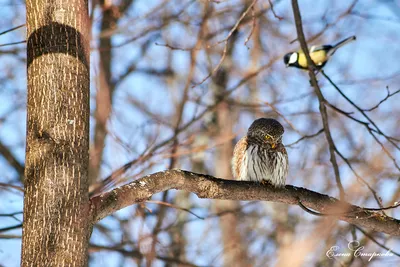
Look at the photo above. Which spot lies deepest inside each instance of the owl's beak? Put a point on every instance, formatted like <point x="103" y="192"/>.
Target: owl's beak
<point x="273" y="145"/>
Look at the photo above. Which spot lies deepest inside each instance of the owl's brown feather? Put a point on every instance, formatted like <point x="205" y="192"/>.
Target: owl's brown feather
<point x="239" y="153"/>
<point x="260" y="155"/>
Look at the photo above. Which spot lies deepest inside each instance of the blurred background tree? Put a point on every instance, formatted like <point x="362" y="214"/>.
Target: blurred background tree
<point x="176" y="83"/>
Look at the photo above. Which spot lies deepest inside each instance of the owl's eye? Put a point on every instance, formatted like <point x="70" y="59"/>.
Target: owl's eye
<point x="268" y="137"/>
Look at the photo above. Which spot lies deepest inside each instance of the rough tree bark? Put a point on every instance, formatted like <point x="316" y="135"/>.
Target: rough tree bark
<point x="56" y="227"/>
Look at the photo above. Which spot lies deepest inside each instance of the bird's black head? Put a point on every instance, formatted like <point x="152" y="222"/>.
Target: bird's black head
<point x="291" y="59"/>
<point x="286" y="58"/>
<point x="266" y="132"/>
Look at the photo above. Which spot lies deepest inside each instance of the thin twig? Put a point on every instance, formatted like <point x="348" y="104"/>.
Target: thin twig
<point x="225" y="41"/>
<point x="376" y="241"/>
<point x="321" y="99"/>
<point x="10" y="228"/>
<point x="383" y="100"/>
<point x="14" y="43"/>
<point x="175" y="207"/>
<point x="349" y="213"/>
<point x="273" y="11"/>
<point x="253" y="26"/>
<point x="378" y="130"/>
<point x="12" y="29"/>
<point x="16" y="187"/>
<point x="306" y="137"/>
<point x="360" y="179"/>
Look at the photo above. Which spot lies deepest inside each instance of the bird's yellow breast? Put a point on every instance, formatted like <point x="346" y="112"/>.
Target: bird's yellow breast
<point x="319" y="58"/>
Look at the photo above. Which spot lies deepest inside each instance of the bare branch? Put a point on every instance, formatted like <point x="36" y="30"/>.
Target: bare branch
<point x="175" y="207"/>
<point x="253" y="26"/>
<point x="370" y="130"/>
<point x="377" y="242"/>
<point x="225" y="41"/>
<point x="383" y="100"/>
<point x="5" y="229"/>
<point x="306" y="137"/>
<point x="16" y="187"/>
<point x="273" y="11"/>
<point x="205" y="186"/>
<point x="12" y="29"/>
<point x="321" y="99"/>
<point x="13" y="43"/>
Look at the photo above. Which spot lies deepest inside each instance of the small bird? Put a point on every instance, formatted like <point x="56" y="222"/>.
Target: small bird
<point x="260" y="155"/>
<point x="319" y="55"/>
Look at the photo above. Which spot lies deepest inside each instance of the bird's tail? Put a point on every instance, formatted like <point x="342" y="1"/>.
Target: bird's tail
<point x="341" y="43"/>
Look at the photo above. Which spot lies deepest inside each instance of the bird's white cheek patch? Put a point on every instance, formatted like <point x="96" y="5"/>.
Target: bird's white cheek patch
<point x="293" y="58"/>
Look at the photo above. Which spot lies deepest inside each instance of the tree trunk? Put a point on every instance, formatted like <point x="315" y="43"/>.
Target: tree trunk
<point x="56" y="225"/>
<point x="235" y="253"/>
<point x="105" y="91"/>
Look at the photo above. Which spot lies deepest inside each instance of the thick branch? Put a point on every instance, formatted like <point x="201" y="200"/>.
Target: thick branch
<point x="205" y="186"/>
